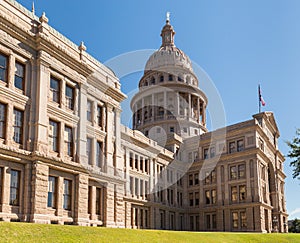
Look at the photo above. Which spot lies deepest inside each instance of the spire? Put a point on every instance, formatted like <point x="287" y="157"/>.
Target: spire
<point x="32" y="8"/>
<point x="167" y="33"/>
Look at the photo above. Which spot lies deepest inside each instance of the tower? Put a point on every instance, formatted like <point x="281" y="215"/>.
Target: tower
<point x="169" y="106"/>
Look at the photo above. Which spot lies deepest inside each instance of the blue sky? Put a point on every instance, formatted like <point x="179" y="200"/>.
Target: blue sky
<point x="238" y="43"/>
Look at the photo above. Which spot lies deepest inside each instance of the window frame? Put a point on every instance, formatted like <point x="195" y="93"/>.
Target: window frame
<point x="53" y="202"/>
<point x="55" y="91"/>
<point x="4" y="68"/>
<point x="70" y="104"/>
<point x="18" y="78"/>
<point x="54" y="138"/>
<point x="20" y="127"/>
<point x="67" y="195"/>
<point x="3" y="120"/>
<point x="69" y="143"/>
<point x="15" y="201"/>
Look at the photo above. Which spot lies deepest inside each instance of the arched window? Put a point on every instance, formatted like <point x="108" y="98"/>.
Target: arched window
<point x="153" y="80"/>
<point x="180" y="79"/>
<point x="161" y="78"/>
<point x="170" y="77"/>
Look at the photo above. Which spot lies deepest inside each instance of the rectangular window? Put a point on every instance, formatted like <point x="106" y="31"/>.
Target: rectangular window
<point x="212" y="152"/>
<point x="213" y="176"/>
<point x="69" y="97"/>
<point x="196" y="178"/>
<point x="241" y="171"/>
<point x="240" y="145"/>
<point x="235" y="220"/>
<point x="67" y="195"/>
<point x="51" y="192"/>
<point x="196" y="198"/>
<point x="3" y="68"/>
<point x="18" y="126"/>
<point x="89" y="150"/>
<point x="242" y="192"/>
<point x="99" y="154"/>
<point x="14" y="188"/>
<point x="53" y="135"/>
<point x="131" y="186"/>
<point x="172" y="129"/>
<point x="207" y="178"/>
<point x="213" y="196"/>
<point x="233" y="193"/>
<point x="191" y="199"/>
<point x="208" y="221"/>
<point x="190" y="180"/>
<point x="19" y="76"/>
<point x="243" y="219"/>
<point x="89" y="108"/>
<point x="99" y="115"/>
<point x="98" y="201"/>
<point x="69" y="141"/>
<point x="55" y="89"/>
<point x="214" y="221"/>
<point x="233" y="173"/>
<point x="2" y="120"/>
<point x="231" y="147"/>
<point x="205" y="154"/>
<point x="207" y="197"/>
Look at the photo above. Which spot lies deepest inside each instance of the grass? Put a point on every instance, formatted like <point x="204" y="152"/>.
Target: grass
<point x="25" y="232"/>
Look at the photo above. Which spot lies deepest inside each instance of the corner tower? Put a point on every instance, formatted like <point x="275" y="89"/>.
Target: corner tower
<point x="169" y="106"/>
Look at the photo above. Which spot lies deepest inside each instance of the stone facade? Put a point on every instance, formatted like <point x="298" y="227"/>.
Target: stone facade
<point x="65" y="158"/>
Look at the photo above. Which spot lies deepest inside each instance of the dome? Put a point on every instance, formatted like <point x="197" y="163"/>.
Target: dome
<point x="168" y="54"/>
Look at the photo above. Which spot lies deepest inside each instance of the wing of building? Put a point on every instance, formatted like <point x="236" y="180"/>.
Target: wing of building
<point x="65" y="158"/>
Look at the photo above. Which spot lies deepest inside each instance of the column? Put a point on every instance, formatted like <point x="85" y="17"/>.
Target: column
<point x="127" y="175"/>
<point x="189" y="105"/>
<point x="248" y="182"/>
<point x="10" y="120"/>
<point x="177" y="104"/>
<point x="92" y="203"/>
<point x="60" y="191"/>
<point x="6" y="190"/>
<point x="198" y="110"/>
<point x="226" y="194"/>
<point x="42" y="121"/>
<point x="109" y="167"/>
<point x="11" y="71"/>
<point x="81" y="200"/>
<point x="143" y="111"/>
<point x="40" y="173"/>
<point x="153" y="107"/>
<point x="117" y="150"/>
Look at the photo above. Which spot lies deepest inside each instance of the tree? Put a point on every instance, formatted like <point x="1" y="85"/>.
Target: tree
<point x="295" y="226"/>
<point x="294" y="153"/>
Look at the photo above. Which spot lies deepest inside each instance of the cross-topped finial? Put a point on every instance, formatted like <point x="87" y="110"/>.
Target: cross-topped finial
<point x="168" y="16"/>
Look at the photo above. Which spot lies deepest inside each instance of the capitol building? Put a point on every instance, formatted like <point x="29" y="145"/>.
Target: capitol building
<point x="65" y="157"/>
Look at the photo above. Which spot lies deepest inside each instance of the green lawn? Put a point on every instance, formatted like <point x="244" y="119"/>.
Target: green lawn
<point x="25" y="232"/>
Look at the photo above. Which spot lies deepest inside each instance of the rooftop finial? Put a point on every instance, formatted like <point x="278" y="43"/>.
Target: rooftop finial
<point x="32" y="8"/>
<point x="168" y="16"/>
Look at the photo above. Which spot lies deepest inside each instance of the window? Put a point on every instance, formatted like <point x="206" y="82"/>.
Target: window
<point x="161" y="78"/>
<point x="190" y="180"/>
<point x="53" y="135"/>
<point x="231" y="147"/>
<point x="172" y="129"/>
<point x="212" y="152"/>
<point x="241" y="171"/>
<point x="99" y="155"/>
<point x="240" y="145"/>
<point x="153" y="80"/>
<point x="69" y="141"/>
<point x="233" y="173"/>
<point x="99" y="116"/>
<point x="69" y="97"/>
<point x="51" y="192"/>
<point x="18" y="126"/>
<point x="196" y="178"/>
<point x="89" y="105"/>
<point x="235" y="220"/>
<point x="213" y="176"/>
<point x="89" y="150"/>
<point x="207" y="178"/>
<point x="207" y="197"/>
<point x="67" y="195"/>
<point x="205" y="154"/>
<point x="19" y="76"/>
<point x="196" y="198"/>
<point x="242" y="192"/>
<point x="2" y="120"/>
<point x="170" y="77"/>
<point x="250" y="140"/>
<point x="14" y="188"/>
<point x="3" y="68"/>
<point x="208" y="221"/>
<point x="191" y="199"/>
<point x="213" y="196"/>
<point x="98" y="201"/>
<point x="55" y="89"/>
<point x="234" y="194"/>
<point x="179" y="79"/>
<point x="243" y="219"/>
<point x="214" y="221"/>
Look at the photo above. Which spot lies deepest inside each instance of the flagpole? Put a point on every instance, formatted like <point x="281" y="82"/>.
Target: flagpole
<point x="259" y="103"/>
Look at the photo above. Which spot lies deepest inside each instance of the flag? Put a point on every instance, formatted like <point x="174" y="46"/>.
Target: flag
<point x="261" y="99"/>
